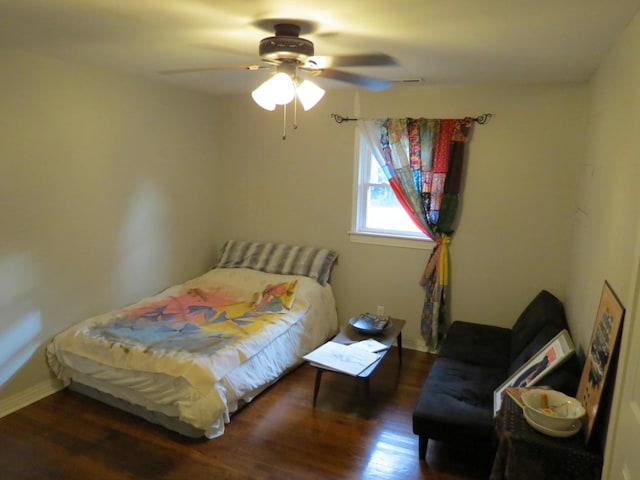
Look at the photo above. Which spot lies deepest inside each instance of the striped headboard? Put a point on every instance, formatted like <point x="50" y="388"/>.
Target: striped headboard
<point x="279" y="258"/>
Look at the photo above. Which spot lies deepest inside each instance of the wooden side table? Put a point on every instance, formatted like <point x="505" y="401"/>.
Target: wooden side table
<point x="348" y="335"/>
<point x="524" y="453"/>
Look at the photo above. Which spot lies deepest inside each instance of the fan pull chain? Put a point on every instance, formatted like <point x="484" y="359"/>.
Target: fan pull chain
<point x="284" y="122"/>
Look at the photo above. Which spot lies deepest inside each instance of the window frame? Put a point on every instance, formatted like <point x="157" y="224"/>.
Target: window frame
<point x="359" y="233"/>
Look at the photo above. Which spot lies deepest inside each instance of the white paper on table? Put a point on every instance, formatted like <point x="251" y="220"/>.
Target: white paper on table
<point x="370" y="345"/>
<point x="342" y="358"/>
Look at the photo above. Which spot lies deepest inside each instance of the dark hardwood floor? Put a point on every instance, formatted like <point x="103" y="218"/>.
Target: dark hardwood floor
<point x="278" y="436"/>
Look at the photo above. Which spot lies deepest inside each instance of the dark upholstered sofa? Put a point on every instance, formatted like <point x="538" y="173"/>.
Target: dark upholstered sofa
<point x="456" y="400"/>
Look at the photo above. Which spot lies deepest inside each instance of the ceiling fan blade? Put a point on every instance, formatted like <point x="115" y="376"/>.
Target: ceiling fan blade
<point x="360" y="80"/>
<point x="364" y="60"/>
<point x="217" y="67"/>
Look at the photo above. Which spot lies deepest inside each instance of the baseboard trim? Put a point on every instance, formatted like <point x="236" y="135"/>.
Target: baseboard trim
<point x="415" y="345"/>
<point x="29" y="396"/>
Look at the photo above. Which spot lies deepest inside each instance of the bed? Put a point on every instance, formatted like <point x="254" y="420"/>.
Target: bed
<point x="192" y="355"/>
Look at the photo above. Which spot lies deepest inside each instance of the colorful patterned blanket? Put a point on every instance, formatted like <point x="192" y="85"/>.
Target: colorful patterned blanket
<point x="197" y="333"/>
<point x="198" y="320"/>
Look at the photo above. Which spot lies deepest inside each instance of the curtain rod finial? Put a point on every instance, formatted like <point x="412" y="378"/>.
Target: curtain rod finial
<point x="341" y="119"/>
<point x="484" y="118"/>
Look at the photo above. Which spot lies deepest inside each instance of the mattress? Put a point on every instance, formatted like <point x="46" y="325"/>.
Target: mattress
<point x="192" y="385"/>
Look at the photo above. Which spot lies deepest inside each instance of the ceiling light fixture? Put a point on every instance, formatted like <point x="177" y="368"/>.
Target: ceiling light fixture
<point x="309" y="94"/>
<point x="282" y="88"/>
<point x="285" y="87"/>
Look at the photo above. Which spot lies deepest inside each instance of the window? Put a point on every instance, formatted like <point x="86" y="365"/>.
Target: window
<point x="377" y="211"/>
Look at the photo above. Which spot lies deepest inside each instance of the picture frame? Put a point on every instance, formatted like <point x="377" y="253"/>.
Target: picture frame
<point x="549" y="357"/>
<point x="604" y="341"/>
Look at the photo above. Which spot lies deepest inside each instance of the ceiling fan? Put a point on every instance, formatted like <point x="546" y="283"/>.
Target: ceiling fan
<point x="289" y="52"/>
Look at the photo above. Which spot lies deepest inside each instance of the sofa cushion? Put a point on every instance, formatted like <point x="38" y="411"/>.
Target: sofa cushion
<point x="456" y="401"/>
<point x="478" y="344"/>
<point x="544" y="308"/>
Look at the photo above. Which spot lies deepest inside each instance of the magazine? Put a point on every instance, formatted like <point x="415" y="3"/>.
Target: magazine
<point x="369" y="323"/>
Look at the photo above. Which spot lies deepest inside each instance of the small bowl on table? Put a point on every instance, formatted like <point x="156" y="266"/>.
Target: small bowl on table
<point x="552" y="410"/>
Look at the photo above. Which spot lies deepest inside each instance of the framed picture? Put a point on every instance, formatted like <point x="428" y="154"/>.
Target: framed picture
<point x="548" y="357"/>
<point x="604" y="339"/>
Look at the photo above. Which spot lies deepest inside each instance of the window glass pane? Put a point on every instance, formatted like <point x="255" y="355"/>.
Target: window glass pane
<point x="383" y="212"/>
<point x="377" y="175"/>
<point x="378" y="212"/>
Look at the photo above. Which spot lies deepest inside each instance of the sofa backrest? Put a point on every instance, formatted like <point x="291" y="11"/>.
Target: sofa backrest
<point x="544" y="336"/>
<point x="543" y="319"/>
<point x="540" y="322"/>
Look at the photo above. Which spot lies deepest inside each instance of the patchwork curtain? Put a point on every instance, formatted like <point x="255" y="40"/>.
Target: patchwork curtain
<point x="423" y="159"/>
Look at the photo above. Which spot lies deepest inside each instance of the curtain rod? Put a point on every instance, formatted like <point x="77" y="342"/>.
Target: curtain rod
<point x="480" y="119"/>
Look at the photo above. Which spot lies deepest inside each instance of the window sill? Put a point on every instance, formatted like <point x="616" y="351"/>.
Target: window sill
<point x="391" y="241"/>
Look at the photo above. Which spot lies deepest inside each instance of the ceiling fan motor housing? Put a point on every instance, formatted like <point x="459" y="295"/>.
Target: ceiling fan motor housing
<point x="286" y="45"/>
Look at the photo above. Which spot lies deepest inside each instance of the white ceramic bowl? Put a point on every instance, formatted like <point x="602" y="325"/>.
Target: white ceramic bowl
<point x="552" y="409"/>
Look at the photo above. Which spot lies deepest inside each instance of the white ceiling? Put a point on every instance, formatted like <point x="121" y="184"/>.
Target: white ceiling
<point x="438" y="41"/>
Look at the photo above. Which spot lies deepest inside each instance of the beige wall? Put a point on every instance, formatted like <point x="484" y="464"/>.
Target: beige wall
<point x="606" y="245"/>
<point x="107" y="193"/>
<point x="515" y="226"/>
<point x="607" y="218"/>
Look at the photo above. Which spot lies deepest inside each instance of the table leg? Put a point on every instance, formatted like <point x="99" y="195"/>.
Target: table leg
<point x="399" y="341"/>
<point x="367" y="396"/>
<point x="317" y="386"/>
